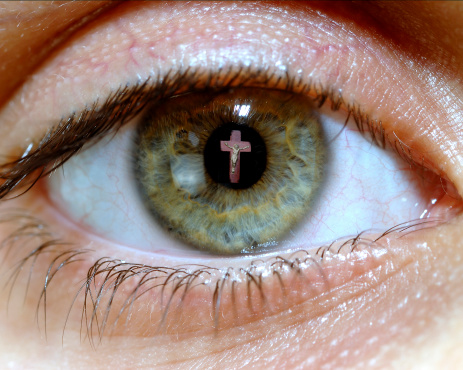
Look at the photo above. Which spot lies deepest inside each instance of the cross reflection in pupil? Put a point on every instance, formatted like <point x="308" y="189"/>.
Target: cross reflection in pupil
<point x="235" y="147"/>
<point x="238" y="171"/>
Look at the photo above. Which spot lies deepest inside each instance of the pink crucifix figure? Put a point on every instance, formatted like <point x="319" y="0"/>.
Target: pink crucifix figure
<point x="235" y="146"/>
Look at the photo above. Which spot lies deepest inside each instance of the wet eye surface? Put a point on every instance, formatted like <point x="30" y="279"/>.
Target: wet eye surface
<point x="233" y="171"/>
<point x="169" y="181"/>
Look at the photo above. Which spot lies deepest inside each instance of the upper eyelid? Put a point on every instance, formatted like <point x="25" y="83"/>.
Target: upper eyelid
<point x="398" y="122"/>
<point x="69" y="136"/>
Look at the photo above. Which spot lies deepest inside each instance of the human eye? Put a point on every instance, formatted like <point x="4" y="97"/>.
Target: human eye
<point x="344" y="306"/>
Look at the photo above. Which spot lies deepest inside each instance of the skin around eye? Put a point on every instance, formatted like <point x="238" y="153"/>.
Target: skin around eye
<point x="365" y="317"/>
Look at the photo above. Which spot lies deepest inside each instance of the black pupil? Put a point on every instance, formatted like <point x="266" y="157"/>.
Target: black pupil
<point x="252" y="160"/>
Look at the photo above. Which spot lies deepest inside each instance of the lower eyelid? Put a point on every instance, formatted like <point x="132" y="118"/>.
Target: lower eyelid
<point x="352" y="304"/>
<point x="128" y="299"/>
<point x="328" y="295"/>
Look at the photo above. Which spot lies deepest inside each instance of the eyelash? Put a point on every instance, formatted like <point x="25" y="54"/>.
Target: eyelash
<point x="85" y="128"/>
<point x="182" y="279"/>
<point x="69" y="136"/>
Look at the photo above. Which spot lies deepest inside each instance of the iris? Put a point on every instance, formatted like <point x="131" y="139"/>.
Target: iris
<point x="233" y="171"/>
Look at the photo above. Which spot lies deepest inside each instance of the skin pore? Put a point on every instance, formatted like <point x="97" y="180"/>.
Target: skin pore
<point x="401" y="61"/>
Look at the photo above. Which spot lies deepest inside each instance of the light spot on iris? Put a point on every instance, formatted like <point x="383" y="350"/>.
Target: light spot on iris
<point x="242" y="110"/>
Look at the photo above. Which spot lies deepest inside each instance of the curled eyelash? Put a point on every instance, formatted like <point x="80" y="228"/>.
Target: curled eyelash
<point x="88" y="126"/>
<point x="182" y="280"/>
<point x="111" y="289"/>
<point x="34" y="238"/>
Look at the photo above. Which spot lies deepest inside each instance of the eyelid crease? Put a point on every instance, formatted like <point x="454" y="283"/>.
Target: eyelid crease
<point x="69" y="136"/>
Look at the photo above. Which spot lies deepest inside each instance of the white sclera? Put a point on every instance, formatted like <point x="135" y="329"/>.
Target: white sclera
<point x="365" y="188"/>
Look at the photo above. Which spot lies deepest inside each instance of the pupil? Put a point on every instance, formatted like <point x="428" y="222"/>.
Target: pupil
<point x="235" y="156"/>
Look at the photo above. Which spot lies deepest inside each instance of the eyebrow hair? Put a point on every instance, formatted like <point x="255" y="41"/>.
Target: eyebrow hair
<point x="88" y="126"/>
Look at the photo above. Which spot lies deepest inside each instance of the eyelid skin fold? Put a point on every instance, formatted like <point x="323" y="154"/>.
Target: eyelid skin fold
<point x="141" y="305"/>
<point x="36" y="27"/>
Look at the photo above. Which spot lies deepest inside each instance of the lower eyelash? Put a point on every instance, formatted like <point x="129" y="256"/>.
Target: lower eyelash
<point x="108" y="278"/>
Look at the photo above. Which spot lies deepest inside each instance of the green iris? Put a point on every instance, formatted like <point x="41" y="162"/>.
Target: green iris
<point x="199" y="202"/>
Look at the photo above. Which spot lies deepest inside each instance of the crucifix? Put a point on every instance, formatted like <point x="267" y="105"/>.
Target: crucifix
<point x="235" y="146"/>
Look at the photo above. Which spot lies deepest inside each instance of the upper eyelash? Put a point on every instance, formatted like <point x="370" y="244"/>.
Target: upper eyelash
<point x="69" y="136"/>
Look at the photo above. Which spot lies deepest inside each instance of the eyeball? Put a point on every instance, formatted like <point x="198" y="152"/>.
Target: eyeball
<point x="230" y="172"/>
<point x="172" y="181"/>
